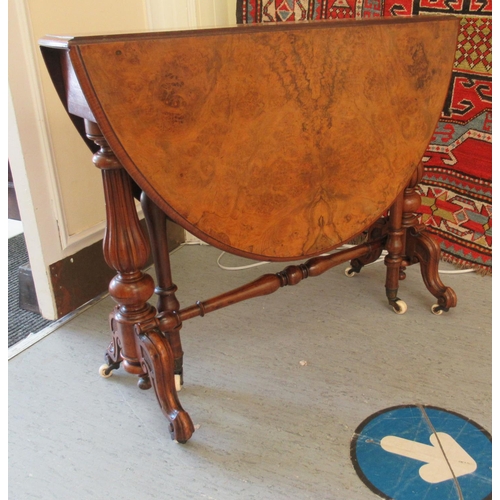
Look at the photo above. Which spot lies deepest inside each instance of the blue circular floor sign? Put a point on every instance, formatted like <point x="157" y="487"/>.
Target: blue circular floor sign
<point x="417" y="452"/>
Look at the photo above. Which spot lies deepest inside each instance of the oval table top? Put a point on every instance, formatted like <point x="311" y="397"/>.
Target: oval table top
<point x="274" y="142"/>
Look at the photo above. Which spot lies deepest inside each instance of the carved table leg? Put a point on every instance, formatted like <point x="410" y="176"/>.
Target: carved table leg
<point x="165" y="289"/>
<point x="425" y="250"/>
<point x="126" y="249"/>
<point x="113" y="355"/>
<point x="158" y="361"/>
<point x="395" y="247"/>
<point x="409" y="243"/>
<point x="422" y="248"/>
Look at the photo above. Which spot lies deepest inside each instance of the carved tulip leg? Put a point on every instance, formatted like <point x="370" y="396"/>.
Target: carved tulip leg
<point x="126" y="249"/>
<point x="165" y="288"/>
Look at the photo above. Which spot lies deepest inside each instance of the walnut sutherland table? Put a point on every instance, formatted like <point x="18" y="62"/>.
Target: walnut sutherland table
<point x="276" y="142"/>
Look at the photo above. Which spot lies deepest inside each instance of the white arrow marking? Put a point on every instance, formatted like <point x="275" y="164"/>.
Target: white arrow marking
<point x="439" y="466"/>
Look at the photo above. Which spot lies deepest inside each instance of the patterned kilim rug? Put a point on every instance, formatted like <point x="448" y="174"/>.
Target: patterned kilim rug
<point x="456" y="187"/>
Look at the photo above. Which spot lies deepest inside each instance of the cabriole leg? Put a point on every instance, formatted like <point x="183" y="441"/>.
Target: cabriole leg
<point x="423" y="249"/>
<point x="158" y="361"/>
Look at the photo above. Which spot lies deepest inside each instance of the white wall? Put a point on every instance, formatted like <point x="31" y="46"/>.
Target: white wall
<point x="58" y="188"/>
<point x="191" y="13"/>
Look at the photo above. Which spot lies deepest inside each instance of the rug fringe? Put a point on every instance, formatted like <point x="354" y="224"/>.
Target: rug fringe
<point x="464" y="264"/>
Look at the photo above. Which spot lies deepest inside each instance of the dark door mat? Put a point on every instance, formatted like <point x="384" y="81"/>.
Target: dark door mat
<point x="21" y="322"/>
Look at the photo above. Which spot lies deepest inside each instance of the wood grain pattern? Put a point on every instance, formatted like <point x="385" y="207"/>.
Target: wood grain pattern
<point x="275" y="144"/>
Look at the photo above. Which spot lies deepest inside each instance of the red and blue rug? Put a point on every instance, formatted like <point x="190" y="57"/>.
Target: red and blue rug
<point x="456" y="188"/>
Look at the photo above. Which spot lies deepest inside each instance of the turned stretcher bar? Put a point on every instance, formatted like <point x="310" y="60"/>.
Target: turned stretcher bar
<point x="273" y="142"/>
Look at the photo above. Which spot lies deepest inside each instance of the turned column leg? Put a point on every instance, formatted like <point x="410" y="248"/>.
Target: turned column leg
<point x="165" y="288"/>
<point x="126" y="249"/>
<point x="395" y="247"/>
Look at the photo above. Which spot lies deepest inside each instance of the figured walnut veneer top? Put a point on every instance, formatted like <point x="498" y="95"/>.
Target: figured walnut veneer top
<point x="274" y="142"/>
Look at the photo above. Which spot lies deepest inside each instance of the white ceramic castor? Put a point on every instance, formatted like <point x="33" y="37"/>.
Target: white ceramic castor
<point x="400" y="307"/>
<point x="436" y="309"/>
<point x="349" y="272"/>
<point x="103" y="371"/>
<point x="178" y="385"/>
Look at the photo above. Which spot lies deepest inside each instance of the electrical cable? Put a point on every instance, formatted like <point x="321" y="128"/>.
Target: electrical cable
<point x="259" y="263"/>
<point x="239" y="268"/>
<point x="380" y="259"/>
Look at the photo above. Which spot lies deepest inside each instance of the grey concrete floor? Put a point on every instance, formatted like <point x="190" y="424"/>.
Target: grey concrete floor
<point x="275" y="386"/>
